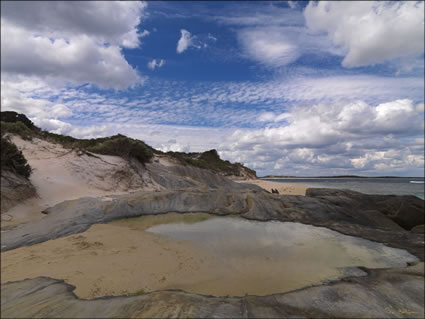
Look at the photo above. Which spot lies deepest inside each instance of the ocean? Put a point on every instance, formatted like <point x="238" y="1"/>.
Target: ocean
<point x="384" y="186"/>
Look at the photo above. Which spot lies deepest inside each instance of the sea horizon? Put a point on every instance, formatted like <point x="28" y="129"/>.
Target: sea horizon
<point x="370" y="185"/>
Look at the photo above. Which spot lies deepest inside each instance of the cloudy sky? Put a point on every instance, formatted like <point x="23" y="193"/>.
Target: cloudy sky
<point x="286" y="88"/>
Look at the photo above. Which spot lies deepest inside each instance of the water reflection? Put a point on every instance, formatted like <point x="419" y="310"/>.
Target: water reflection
<point x="240" y="238"/>
<point x="261" y="258"/>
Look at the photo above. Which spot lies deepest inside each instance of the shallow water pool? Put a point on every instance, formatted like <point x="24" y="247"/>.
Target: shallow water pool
<point x="198" y="253"/>
<point x="268" y="257"/>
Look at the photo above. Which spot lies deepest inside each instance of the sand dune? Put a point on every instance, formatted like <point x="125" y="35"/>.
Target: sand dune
<point x="61" y="174"/>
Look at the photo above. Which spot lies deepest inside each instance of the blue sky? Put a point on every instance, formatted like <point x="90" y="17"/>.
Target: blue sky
<point x="290" y="88"/>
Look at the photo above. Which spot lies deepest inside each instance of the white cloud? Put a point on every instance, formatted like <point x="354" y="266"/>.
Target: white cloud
<point x="325" y="137"/>
<point x="323" y="124"/>
<point x="272" y="117"/>
<point x="173" y="146"/>
<point x="292" y="4"/>
<point x="246" y="14"/>
<point x="156" y="64"/>
<point x="185" y="41"/>
<point x="268" y="45"/>
<point x="71" y="42"/>
<point x="113" y="22"/>
<point x="273" y="35"/>
<point x="144" y="34"/>
<point x="311" y="89"/>
<point x="60" y="110"/>
<point x="365" y="32"/>
<point x="18" y="96"/>
<point x="370" y="32"/>
<point x="52" y="125"/>
<point x="211" y="37"/>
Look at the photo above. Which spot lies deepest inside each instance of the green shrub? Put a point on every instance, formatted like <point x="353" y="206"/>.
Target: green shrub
<point x="13" y="117"/>
<point x="210" y="160"/>
<point x="139" y="292"/>
<point x="120" y="145"/>
<point x="64" y="140"/>
<point x="13" y="160"/>
<point x="17" y="128"/>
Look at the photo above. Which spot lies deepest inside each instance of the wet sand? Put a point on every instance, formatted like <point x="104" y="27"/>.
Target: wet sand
<point x="283" y="188"/>
<point x="111" y="260"/>
<point x="130" y="256"/>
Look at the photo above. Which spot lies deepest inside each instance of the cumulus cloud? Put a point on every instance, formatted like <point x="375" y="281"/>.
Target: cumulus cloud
<point x="324" y="124"/>
<point x="113" y="22"/>
<point x="370" y="32"/>
<point x="71" y="42"/>
<point x="174" y="146"/>
<point x="53" y="125"/>
<point x="156" y="64"/>
<point x="341" y="136"/>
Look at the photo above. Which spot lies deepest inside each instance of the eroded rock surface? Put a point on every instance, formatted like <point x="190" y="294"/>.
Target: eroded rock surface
<point x="76" y="216"/>
<point x="407" y="211"/>
<point x="394" y="293"/>
<point x="389" y="293"/>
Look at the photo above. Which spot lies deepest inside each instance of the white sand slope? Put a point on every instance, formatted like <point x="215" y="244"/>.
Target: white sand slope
<point x="61" y="174"/>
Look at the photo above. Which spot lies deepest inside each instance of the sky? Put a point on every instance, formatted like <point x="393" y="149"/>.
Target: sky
<point x="286" y="88"/>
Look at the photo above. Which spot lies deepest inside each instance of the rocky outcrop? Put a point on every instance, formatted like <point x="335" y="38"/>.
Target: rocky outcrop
<point x="406" y="211"/>
<point x="14" y="189"/>
<point x="76" y="216"/>
<point x="211" y="160"/>
<point x="383" y="293"/>
<point x="418" y="229"/>
<point x="179" y="176"/>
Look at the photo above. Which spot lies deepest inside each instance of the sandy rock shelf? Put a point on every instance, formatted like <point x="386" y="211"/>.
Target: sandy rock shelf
<point x="392" y="293"/>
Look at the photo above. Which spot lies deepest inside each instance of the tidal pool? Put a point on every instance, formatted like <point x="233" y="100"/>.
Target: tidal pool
<point x="198" y="253"/>
<point x="289" y="244"/>
<point x="269" y="257"/>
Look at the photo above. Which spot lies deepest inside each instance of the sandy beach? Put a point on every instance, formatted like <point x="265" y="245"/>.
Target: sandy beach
<point x="283" y="188"/>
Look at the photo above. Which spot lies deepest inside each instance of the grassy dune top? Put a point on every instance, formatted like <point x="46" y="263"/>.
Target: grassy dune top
<point x="119" y="145"/>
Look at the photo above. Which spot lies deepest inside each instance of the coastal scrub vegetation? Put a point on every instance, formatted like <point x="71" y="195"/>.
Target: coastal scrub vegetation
<point x="122" y="146"/>
<point x="17" y="128"/>
<point x="13" y="117"/>
<point x="211" y="160"/>
<point x="119" y="145"/>
<point x="12" y="159"/>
